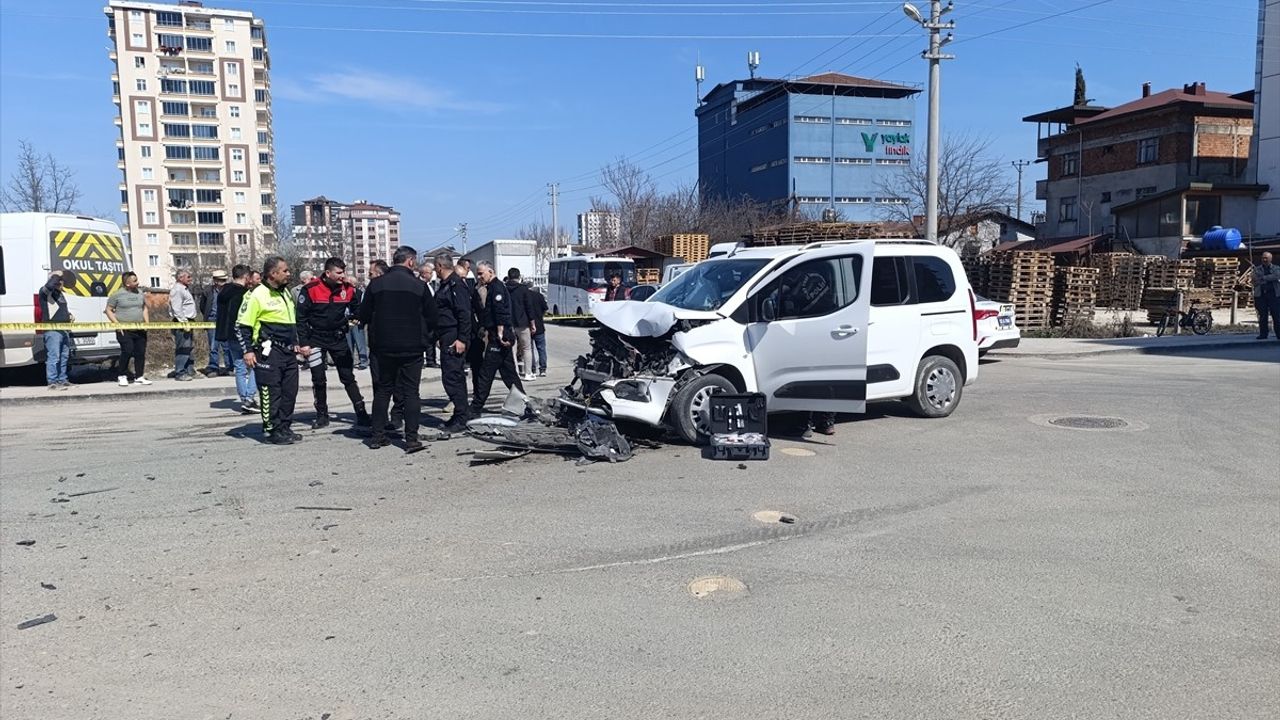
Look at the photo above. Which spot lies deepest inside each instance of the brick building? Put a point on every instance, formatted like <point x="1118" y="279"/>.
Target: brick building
<point x="1185" y="150"/>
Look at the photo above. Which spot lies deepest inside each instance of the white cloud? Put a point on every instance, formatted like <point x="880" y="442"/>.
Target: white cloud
<point x="380" y="89"/>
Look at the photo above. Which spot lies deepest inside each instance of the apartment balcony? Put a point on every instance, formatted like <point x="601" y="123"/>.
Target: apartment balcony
<point x="203" y="26"/>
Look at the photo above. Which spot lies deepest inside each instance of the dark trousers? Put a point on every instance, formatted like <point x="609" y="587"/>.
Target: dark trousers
<point x="498" y="358"/>
<point x="1268" y="309"/>
<point x="452" y="376"/>
<point x="184" y="348"/>
<point x="277" y="377"/>
<point x="540" y="349"/>
<point x="402" y="375"/>
<point x="340" y="352"/>
<point x="397" y="401"/>
<point x="431" y="353"/>
<point x="133" y="346"/>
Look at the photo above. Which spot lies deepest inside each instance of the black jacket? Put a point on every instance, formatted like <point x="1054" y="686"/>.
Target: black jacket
<point x="229" y="299"/>
<point x="520" y="308"/>
<point x="325" y="312"/>
<point x="399" y="313"/>
<point x="537" y="311"/>
<point x="496" y="315"/>
<point x="453" y="303"/>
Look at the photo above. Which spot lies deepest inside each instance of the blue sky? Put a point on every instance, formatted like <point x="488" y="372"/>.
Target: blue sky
<point x="464" y="110"/>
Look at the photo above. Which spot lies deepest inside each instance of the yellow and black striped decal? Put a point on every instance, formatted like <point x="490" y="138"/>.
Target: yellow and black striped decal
<point x="91" y="263"/>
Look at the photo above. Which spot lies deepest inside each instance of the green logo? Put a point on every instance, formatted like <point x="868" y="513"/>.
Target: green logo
<point x="869" y="139"/>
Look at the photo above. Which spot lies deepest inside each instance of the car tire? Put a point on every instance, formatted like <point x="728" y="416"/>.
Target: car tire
<point x="938" y="387"/>
<point x="690" y="413"/>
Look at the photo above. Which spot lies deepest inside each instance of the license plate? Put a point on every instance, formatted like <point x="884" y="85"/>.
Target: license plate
<point x="86" y="341"/>
<point x="1005" y="322"/>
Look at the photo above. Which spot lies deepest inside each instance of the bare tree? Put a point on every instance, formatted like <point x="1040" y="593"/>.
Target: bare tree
<point x="40" y="184"/>
<point x="635" y="200"/>
<point x="732" y="220"/>
<point x="971" y="181"/>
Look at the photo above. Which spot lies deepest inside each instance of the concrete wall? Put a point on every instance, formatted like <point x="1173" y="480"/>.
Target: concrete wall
<point x="1170" y="247"/>
<point x="1123" y="187"/>
<point x="1266" y="165"/>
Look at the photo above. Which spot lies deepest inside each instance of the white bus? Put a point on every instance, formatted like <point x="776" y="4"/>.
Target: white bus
<point x="575" y="284"/>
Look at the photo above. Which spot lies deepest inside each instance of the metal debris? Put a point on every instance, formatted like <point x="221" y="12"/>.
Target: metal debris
<point x="26" y="543"/>
<point x="92" y="492"/>
<point x="48" y="586"/>
<point x="319" y="507"/>
<point x="600" y="440"/>
<point x="37" y="621"/>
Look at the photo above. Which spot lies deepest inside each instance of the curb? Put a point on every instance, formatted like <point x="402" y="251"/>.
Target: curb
<point x="1235" y="341"/>
<point x="59" y="398"/>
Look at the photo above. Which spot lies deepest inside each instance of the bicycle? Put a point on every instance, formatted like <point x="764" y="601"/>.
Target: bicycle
<point x="1197" y="319"/>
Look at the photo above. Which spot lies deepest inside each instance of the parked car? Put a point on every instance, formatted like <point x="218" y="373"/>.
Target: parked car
<point x="642" y="292"/>
<point x="822" y="327"/>
<point x="996" y="325"/>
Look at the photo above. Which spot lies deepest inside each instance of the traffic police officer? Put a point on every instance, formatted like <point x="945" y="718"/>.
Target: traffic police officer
<point x="453" y="304"/>
<point x="499" y="337"/>
<point x="267" y="336"/>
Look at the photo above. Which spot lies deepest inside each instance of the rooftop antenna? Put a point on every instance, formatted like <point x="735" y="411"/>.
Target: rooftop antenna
<point x="699" y="74"/>
<point x="753" y="62"/>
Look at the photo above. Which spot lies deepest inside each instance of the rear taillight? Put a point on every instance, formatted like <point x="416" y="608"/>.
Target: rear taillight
<point x="984" y="314"/>
<point x="973" y="312"/>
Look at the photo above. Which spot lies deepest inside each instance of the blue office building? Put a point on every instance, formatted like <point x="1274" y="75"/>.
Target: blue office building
<point x="821" y="141"/>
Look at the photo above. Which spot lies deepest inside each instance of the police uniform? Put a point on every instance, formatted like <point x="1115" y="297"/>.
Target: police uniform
<point x="453" y="305"/>
<point x="498" y="358"/>
<point x="267" y="326"/>
<point x="324" y="318"/>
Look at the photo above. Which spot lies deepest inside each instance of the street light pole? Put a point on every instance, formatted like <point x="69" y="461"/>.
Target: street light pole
<point x="935" y="56"/>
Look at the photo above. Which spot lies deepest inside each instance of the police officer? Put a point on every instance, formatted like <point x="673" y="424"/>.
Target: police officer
<point x="326" y="307"/>
<point x="453" y="305"/>
<point x="499" y="337"/>
<point x="267" y="335"/>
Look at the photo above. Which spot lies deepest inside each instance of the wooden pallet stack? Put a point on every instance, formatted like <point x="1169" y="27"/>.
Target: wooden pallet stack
<point x="692" y="247"/>
<point x="1157" y="300"/>
<point x="1165" y="273"/>
<point x="1121" y="277"/>
<point x="1026" y="280"/>
<point x="1218" y="275"/>
<point x="807" y="232"/>
<point x="1075" y="294"/>
<point x="648" y="276"/>
<point x="974" y="268"/>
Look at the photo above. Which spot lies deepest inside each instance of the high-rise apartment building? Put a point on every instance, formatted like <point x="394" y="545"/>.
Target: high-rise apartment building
<point x="193" y="93"/>
<point x="319" y="231"/>
<point x="358" y="232"/>
<point x="599" y="228"/>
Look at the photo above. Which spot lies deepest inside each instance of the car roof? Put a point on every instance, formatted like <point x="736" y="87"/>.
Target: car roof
<point x="884" y="246"/>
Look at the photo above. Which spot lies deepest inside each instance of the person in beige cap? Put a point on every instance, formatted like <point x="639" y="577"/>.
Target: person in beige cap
<point x="209" y="309"/>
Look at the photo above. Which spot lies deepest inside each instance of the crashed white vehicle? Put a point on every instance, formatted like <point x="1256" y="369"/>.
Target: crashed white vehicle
<point x="822" y="327"/>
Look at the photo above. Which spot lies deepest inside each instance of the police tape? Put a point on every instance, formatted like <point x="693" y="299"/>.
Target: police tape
<point x="106" y="327"/>
<point x="562" y="318"/>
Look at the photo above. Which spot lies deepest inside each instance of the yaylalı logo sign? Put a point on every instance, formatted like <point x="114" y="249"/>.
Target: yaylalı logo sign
<point x="894" y="143"/>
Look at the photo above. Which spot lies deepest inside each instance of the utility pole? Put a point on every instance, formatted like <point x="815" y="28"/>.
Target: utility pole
<point x="1019" y="165"/>
<point x="935" y="56"/>
<point x="462" y="232"/>
<point x="553" y="189"/>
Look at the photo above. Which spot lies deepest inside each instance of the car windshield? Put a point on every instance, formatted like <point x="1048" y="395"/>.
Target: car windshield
<point x="709" y="284"/>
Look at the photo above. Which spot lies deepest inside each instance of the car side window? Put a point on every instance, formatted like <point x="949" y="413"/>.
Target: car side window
<point x="934" y="279"/>
<point x="889" y="282"/>
<point x="811" y="289"/>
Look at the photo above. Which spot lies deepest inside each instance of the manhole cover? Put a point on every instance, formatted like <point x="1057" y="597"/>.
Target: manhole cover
<point x="718" y="586"/>
<point x="1089" y="422"/>
<point x="774" y="517"/>
<point x="798" y="452"/>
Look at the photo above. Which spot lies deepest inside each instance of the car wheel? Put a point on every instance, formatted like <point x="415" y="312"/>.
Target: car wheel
<point x="938" y="387"/>
<point x="690" y="411"/>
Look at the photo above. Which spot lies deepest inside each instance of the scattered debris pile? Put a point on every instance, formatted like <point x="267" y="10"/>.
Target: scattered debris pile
<point x="529" y="425"/>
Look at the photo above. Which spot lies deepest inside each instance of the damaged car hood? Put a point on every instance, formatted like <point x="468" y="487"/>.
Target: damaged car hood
<point x="646" y="319"/>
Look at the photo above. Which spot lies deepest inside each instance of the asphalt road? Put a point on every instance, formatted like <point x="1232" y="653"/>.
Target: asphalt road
<point x="990" y="565"/>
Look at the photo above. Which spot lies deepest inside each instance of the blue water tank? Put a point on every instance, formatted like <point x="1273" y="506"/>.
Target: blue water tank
<point x="1220" y="238"/>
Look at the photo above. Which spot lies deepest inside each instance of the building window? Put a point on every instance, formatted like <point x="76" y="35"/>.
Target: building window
<point x="891" y="200"/>
<point x="235" y="133"/>
<point x="778" y="162"/>
<point x="177" y="87"/>
<point x="812" y="199"/>
<point x="1106" y="197"/>
<point x="115" y="89"/>
<point x="237" y="176"/>
<point x="207" y="111"/>
<point x="260" y="96"/>
<point x="177" y="130"/>
<point x="231" y="69"/>
<point x="231" y="47"/>
<point x="177" y="152"/>
<point x="174" y="108"/>
<point x="148" y="174"/>
<point x="242" y="239"/>
<point x="155" y="281"/>
<point x="235" y="111"/>
<point x="209" y="196"/>
<point x="169" y="19"/>
<point x="139" y="62"/>
<point x="135" y="14"/>
<point x="894" y="123"/>
<point x="853" y="161"/>
<point x="267" y="219"/>
<point x="237" y="154"/>
<point x="853" y="200"/>
<point x="153" y="260"/>
<point x="140" y="84"/>
<point x="202" y="87"/>
<point x="266" y="198"/>
<point x="814" y="119"/>
<point x="853" y="121"/>
<point x="228" y="23"/>
<point x="812" y="160"/>
<point x="256" y="33"/>
<point x="210" y="238"/>
<point x="136" y="39"/>
<point x="199" y="44"/>
<point x="242" y="218"/>
<point x="1070" y="164"/>
<point x="1148" y="150"/>
<point x="209" y="217"/>
<point x="233" y="89"/>
<point x="153" y="239"/>
<point x="207" y="132"/>
<point x="264" y="158"/>
<point x="1144" y="191"/>
<point x="239" y="197"/>
<point x="145" y="150"/>
<point x="148" y="195"/>
<point x="893" y="161"/>
<point x="144" y="128"/>
<point x="206" y="153"/>
<point x="1067" y="209"/>
<point x="150" y="217"/>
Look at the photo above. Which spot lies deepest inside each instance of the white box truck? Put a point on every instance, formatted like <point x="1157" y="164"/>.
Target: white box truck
<point x="92" y="255"/>
<point x="507" y="254"/>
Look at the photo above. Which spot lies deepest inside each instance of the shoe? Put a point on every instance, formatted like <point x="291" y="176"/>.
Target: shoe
<point x="321" y="421"/>
<point x="825" y="429"/>
<point x="1261" y="337"/>
<point x="362" y="367"/>
<point x="296" y="437"/>
<point x="378" y="441"/>
<point x="363" y="419"/>
<point x="542" y="372"/>
<point x="281" y="437"/>
<point x="527" y="378"/>
<point x="122" y="381"/>
<point x="413" y="446"/>
<point x="247" y="407"/>
<point x="456" y="425"/>
<point x="55" y="386"/>
<point x="64" y="385"/>
<point x="209" y="372"/>
<point x="142" y="381"/>
<point x="184" y="378"/>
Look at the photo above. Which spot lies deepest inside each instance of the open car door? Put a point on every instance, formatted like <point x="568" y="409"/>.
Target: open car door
<point x="807" y="330"/>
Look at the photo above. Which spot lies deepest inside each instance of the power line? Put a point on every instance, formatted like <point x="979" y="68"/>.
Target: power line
<point x="552" y="35"/>
<point x="523" y="11"/>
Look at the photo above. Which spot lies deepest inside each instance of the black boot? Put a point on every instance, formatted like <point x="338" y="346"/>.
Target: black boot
<point x="362" y="418"/>
<point x="321" y="421"/>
